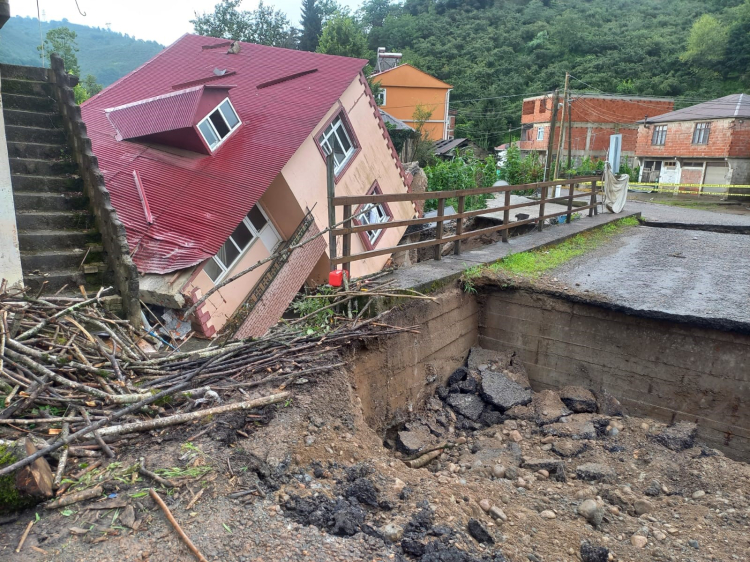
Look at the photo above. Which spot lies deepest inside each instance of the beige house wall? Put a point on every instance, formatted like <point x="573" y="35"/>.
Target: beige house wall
<point x="305" y="174"/>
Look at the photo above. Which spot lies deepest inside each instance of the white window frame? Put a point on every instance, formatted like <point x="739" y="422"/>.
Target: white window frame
<point x="540" y="134"/>
<point x="364" y="218"/>
<point x="381" y="98"/>
<point x="701" y="133"/>
<point x="338" y="126"/>
<point x="659" y="136"/>
<point x="256" y="236"/>
<point x="207" y="119"/>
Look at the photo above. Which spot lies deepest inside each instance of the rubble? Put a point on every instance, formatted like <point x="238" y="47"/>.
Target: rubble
<point x="578" y="399"/>
<point x="678" y="437"/>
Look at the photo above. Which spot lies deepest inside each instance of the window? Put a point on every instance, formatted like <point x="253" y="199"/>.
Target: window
<point x="700" y="134"/>
<point x="543" y="105"/>
<point x="528" y="107"/>
<point x="375" y="214"/>
<point x="659" y="136"/>
<point x="540" y="134"/>
<point x="372" y="213"/>
<point x="219" y="123"/>
<point x="336" y="138"/>
<point x="237" y="244"/>
<point x="381" y="97"/>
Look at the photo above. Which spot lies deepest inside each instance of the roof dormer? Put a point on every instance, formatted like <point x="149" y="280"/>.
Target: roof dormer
<point x="198" y="119"/>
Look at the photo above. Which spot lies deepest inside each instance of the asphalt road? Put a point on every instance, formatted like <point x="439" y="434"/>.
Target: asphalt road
<point x="668" y="213"/>
<point x="683" y="272"/>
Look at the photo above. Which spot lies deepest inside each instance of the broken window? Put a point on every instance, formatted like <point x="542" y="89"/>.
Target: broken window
<point x="337" y="139"/>
<point x="659" y="136"/>
<point x="543" y="105"/>
<point x="250" y="229"/>
<point x="373" y="213"/>
<point x="528" y="107"/>
<point x="700" y="134"/>
<point x="219" y="123"/>
<point x="540" y="134"/>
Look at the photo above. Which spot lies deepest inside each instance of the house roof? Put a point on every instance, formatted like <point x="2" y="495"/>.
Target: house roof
<point x="407" y="75"/>
<point x="728" y="107"/>
<point x="443" y="147"/>
<point x="397" y="123"/>
<point x="197" y="200"/>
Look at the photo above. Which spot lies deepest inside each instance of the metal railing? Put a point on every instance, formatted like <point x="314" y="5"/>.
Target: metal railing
<point x="348" y="229"/>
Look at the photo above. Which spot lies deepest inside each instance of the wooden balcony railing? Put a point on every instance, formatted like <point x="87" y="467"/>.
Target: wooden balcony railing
<point x="348" y="229"/>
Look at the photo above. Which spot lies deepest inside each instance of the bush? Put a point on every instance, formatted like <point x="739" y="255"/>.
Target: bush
<point x="464" y="171"/>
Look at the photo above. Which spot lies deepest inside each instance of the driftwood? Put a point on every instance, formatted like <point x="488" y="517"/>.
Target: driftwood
<point x="158" y="423"/>
<point x="76" y="497"/>
<point x="35" y="479"/>
<point x="25" y="534"/>
<point x="153" y="476"/>
<point x="176" y="525"/>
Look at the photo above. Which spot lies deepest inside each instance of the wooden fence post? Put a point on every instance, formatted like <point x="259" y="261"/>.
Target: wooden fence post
<point x="347" y="249"/>
<point x="542" y="199"/>
<point x="459" y="226"/>
<point x="506" y="214"/>
<point x="569" y="216"/>
<point x="592" y="209"/>
<point x="439" y="231"/>
<point x="331" y="185"/>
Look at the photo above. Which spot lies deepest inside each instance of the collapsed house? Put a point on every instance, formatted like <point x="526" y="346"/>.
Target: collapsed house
<point x="214" y="153"/>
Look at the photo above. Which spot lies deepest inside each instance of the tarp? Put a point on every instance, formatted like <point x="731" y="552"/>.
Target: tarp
<point x="615" y="189"/>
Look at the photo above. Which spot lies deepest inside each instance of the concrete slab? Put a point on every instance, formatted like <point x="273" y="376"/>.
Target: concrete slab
<point x="679" y="272"/>
<point x="653" y="212"/>
<point x="427" y="273"/>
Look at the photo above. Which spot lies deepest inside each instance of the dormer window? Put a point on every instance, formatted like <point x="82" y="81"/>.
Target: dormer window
<point x="218" y="124"/>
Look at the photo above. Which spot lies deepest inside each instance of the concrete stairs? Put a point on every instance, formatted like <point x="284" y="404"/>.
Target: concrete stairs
<point x="56" y="231"/>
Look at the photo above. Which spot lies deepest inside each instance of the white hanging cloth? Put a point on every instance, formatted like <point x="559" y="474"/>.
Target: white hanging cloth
<point x="615" y="189"/>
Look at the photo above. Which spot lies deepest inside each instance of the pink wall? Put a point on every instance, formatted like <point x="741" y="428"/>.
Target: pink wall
<point x="305" y="174"/>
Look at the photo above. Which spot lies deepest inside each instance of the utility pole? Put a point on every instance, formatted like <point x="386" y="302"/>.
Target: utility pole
<point x="562" y="126"/>
<point x="570" y="132"/>
<point x="551" y="139"/>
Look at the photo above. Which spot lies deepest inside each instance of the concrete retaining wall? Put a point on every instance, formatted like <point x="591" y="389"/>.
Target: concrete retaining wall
<point x="395" y="375"/>
<point x="665" y="370"/>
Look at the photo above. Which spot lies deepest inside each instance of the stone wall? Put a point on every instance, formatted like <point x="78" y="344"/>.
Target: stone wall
<point x="109" y="225"/>
<point x="663" y="369"/>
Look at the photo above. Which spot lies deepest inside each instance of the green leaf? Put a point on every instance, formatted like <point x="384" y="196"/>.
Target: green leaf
<point x="67" y="512"/>
<point x="227" y="528"/>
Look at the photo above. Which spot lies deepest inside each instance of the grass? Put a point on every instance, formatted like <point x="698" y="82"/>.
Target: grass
<point x="535" y="262"/>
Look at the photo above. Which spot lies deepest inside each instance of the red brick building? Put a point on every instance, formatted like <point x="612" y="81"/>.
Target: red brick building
<point x="704" y="145"/>
<point x="594" y="118"/>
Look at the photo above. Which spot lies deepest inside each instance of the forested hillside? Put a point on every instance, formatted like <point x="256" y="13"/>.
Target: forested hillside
<point x="689" y="49"/>
<point x="105" y="54"/>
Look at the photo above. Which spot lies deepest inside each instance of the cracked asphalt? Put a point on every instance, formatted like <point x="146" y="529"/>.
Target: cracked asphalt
<point x="681" y="272"/>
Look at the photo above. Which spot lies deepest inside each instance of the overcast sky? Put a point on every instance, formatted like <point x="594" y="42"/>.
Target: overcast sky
<point x="159" y="20"/>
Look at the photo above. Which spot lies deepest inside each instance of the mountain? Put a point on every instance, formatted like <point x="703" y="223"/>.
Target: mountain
<point x="106" y="54"/>
<point x="494" y="52"/>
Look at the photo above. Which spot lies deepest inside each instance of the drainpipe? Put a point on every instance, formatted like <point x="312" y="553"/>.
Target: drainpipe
<point x="447" y="114"/>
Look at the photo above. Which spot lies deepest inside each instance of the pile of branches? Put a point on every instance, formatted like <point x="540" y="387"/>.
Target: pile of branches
<point x="77" y="378"/>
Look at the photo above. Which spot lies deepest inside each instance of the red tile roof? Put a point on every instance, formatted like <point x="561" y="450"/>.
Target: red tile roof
<point x="197" y="200"/>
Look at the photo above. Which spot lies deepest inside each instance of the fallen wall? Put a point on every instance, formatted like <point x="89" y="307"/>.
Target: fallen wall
<point x="658" y="368"/>
<point x="395" y="375"/>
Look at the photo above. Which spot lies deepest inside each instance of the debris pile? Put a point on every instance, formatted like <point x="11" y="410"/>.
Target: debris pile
<point x="77" y="381"/>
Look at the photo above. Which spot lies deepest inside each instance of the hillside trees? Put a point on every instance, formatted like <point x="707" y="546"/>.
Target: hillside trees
<point x="62" y="41"/>
<point x="343" y="36"/>
<point x="312" y="25"/>
<point x="265" y="25"/>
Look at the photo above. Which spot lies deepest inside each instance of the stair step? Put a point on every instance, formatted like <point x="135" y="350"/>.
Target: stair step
<point x="23" y="72"/>
<point x="16" y="133"/>
<point x="26" y="87"/>
<point x="68" y="278"/>
<point x="25" y="118"/>
<point x="33" y="201"/>
<point x="37" y="150"/>
<point x="29" y="103"/>
<point x="34" y="240"/>
<point x="53" y="220"/>
<point x="42" y="261"/>
<point x="39" y="167"/>
<point x="46" y="184"/>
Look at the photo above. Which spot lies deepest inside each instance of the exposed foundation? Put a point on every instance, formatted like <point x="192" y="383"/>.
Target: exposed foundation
<point x="667" y="369"/>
